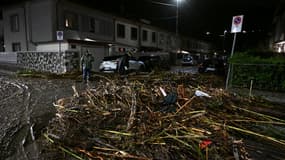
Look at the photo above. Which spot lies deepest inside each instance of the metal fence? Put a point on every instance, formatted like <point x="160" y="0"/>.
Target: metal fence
<point x="270" y="77"/>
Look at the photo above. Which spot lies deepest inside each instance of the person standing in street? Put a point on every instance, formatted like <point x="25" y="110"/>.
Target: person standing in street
<point x="86" y="65"/>
<point x="124" y="64"/>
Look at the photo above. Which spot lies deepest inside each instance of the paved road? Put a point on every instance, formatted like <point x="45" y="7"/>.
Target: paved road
<point x="184" y="69"/>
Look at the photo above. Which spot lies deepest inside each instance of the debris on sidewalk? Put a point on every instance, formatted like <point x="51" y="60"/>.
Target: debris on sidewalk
<point x="201" y="94"/>
<point x="145" y="118"/>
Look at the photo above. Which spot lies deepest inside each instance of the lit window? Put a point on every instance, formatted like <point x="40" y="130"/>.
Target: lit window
<point x="66" y="23"/>
<point x="71" y="20"/>
<point x="14" y="22"/>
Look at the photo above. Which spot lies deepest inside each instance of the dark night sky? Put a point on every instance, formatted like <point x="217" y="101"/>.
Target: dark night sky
<point x="196" y="16"/>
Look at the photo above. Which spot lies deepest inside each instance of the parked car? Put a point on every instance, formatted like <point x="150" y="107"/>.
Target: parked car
<point x="188" y="59"/>
<point x="150" y="62"/>
<point x="216" y="66"/>
<point x="110" y="64"/>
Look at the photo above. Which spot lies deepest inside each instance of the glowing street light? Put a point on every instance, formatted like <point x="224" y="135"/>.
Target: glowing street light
<point x="177" y="16"/>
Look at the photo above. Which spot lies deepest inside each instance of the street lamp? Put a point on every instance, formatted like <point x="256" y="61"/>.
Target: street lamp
<point x="177" y="16"/>
<point x="224" y="41"/>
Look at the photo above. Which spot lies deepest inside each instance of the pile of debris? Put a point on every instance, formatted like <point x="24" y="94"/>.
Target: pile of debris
<point x="155" y="118"/>
<point x="7" y="89"/>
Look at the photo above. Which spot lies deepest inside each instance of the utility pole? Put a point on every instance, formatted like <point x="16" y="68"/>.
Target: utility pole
<point x="236" y="28"/>
<point x="230" y="67"/>
<point x="177" y="17"/>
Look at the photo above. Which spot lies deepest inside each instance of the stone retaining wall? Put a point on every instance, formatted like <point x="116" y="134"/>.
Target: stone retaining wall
<point x="53" y="62"/>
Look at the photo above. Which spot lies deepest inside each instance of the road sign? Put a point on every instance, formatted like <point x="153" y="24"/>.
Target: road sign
<point x="237" y="24"/>
<point x="59" y="35"/>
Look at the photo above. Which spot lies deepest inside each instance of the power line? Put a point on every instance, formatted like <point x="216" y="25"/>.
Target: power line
<point x="165" y="4"/>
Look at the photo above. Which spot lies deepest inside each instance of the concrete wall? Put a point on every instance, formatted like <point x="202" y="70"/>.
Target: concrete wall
<point x="14" y="37"/>
<point x="173" y="42"/>
<point x="279" y="28"/>
<point x="104" y="23"/>
<point x="162" y="40"/>
<point x="127" y="39"/>
<point x="35" y="24"/>
<point x="98" y="52"/>
<point x="41" y="21"/>
<point x="52" y="62"/>
<point x="52" y="47"/>
<point x="148" y="42"/>
<point x="8" y="57"/>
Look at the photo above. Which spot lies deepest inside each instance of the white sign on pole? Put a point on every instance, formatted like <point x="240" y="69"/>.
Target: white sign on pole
<point x="59" y="35"/>
<point x="237" y="24"/>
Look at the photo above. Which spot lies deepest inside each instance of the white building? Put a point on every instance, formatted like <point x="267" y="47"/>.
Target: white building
<point x="1" y="33"/>
<point x="278" y="37"/>
<point x="126" y="36"/>
<point x="32" y="26"/>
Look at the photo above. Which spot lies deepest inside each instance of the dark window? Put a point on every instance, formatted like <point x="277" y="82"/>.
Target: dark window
<point x="144" y="35"/>
<point x="153" y="37"/>
<point x="73" y="46"/>
<point x="121" y="31"/>
<point x="14" y="22"/>
<point x="2" y="48"/>
<point x="16" y="47"/>
<point x="1" y="15"/>
<point x="71" y="21"/>
<point x="91" y="25"/>
<point x="134" y="33"/>
<point x="161" y="40"/>
<point x="168" y="40"/>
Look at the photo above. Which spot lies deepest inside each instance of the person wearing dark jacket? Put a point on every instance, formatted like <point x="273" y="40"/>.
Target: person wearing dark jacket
<point x="124" y="64"/>
<point x="86" y="65"/>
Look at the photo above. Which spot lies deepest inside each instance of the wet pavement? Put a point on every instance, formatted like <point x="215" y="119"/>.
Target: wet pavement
<point x="26" y="108"/>
<point x="184" y="69"/>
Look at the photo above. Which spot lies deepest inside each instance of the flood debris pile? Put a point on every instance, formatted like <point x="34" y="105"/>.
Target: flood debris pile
<point x="7" y="89"/>
<point x="153" y="118"/>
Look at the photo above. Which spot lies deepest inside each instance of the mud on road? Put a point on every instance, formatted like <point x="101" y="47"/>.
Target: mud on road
<point x="26" y="108"/>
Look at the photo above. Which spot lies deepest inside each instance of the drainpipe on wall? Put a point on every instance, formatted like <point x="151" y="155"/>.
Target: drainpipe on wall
<point x="27" y="32"/>
<point x="139" y="37"/>
<point x="111" y="51"/>
<point x="56" y="17"/>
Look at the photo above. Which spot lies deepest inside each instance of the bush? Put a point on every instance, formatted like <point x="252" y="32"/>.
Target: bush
<point x="265" y="68"/>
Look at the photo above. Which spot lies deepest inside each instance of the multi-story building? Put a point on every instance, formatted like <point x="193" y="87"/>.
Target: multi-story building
<point x="278" y="37"/>
<point x="33" y="26"/>
<point x="1" y="32"/>
<point x="126" y="36"/>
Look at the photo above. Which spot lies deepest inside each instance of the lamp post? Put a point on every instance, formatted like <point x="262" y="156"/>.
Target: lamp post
<point x="224" y="41"/>
<point x="177" y="16"/>
<point x="176" y="29"/>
